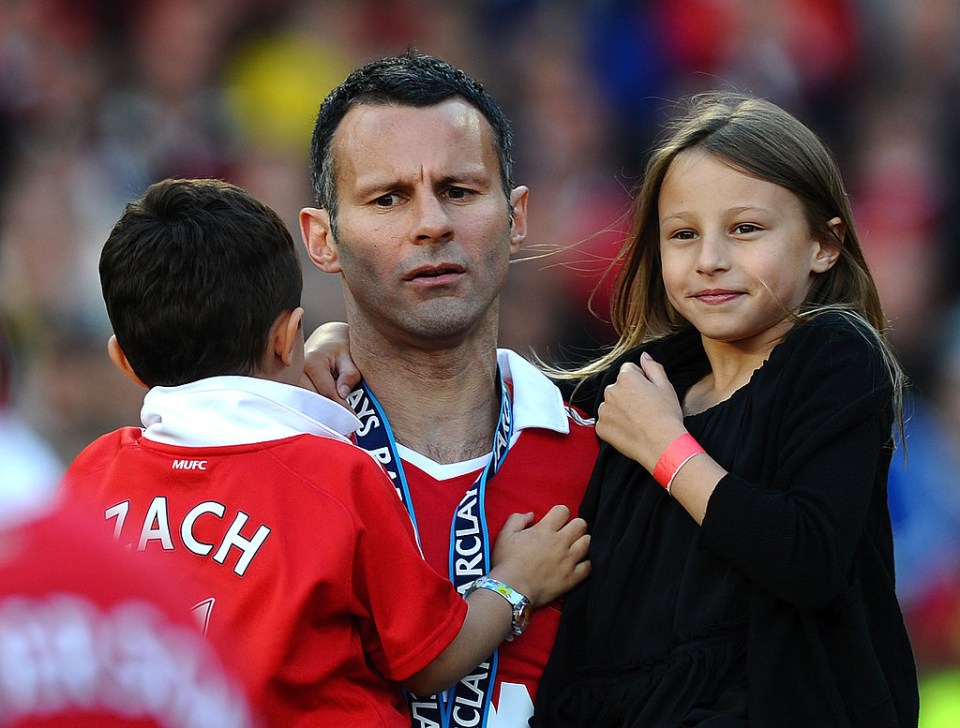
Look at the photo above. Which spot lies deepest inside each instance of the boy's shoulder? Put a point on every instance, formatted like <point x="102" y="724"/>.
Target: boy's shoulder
<point x="318" y="457"/>
<point x="312" y="457"/>
<point x="338" y="469"/>
<point x="102" y="452"/>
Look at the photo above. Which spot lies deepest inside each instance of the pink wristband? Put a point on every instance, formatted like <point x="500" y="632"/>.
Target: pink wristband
<point x="675" y="457"/>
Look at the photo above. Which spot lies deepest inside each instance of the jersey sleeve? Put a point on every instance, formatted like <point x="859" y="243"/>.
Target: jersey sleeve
<point x="412" y="612"/>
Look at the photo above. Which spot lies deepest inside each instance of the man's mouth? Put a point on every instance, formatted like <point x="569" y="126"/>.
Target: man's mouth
<point x="440" y="271"/>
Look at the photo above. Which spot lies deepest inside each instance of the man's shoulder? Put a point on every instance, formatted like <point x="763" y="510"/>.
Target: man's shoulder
<point x="564" y="453"/>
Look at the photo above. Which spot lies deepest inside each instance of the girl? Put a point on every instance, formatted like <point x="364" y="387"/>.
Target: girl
<point x="742" y="551"/>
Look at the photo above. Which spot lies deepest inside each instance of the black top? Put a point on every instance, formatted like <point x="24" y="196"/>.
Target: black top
<point x="780" y="610"/>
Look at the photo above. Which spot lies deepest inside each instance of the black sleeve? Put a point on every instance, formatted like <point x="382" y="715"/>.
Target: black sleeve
<point x="795" y="534"/>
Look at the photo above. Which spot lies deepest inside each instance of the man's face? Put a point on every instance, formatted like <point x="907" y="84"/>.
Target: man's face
<point x="423" y="231"/>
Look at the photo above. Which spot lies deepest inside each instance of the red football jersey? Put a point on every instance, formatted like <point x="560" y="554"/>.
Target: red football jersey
<point x="549" y="462"/>
<point x="92" y="638"/>
<point x="302" y="555"/>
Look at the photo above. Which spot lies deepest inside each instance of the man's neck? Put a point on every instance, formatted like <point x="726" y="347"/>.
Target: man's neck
<point x="442" y="404"/>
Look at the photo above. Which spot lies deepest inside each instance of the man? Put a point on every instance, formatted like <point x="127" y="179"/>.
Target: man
<point x="418" y="214"/>
<point x="296" y="566"/>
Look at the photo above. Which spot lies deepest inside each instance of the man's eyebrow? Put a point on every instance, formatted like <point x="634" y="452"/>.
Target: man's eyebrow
<point x="477" y="178"/>
<point x="371" y="184"/>
<point x="384" y="183"/>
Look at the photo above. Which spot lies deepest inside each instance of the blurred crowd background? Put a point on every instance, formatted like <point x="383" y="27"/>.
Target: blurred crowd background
<point x="99" y="98"/>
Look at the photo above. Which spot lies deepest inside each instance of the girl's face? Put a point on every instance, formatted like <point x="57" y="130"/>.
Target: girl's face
<point x="736" y="251"/>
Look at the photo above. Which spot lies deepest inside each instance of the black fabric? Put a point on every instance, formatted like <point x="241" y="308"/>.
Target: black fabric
<point x="780" y="610"/>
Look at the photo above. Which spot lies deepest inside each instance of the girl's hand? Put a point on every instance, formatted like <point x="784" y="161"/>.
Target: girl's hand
<point x="640" y="414"/>
<point x="328" y="368"/>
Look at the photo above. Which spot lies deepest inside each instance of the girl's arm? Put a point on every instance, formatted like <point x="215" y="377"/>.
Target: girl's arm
<point x="641" y="416"/>
<point x="822" y="492"/>
<point x="826" y="448"/>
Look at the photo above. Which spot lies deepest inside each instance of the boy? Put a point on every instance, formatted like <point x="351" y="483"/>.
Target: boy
<point x="302" y="548"/>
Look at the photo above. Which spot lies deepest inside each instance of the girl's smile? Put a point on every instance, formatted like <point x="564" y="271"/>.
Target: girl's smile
<point x="737" y="253"/>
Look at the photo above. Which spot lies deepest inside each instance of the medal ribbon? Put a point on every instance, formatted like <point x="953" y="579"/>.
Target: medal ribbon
<point x="466" y="704"/>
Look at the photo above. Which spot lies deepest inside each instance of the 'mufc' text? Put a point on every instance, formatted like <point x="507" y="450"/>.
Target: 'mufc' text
<point x="156" y="527"/>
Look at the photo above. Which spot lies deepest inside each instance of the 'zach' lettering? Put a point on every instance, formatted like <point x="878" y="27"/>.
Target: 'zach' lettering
<point x="156" y="527"/>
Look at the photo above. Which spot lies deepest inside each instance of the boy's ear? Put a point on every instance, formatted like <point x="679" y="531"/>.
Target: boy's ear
<point x="318" y="239"/>
<point x="120" y="361"/>
<point x="288" y="335"/>
<point x="828" y="251"/>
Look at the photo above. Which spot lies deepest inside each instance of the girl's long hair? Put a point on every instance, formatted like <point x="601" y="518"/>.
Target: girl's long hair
<point x="764" y="141"/>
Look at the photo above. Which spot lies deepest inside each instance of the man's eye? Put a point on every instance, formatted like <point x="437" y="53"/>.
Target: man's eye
<point x="457" y="193"/>
<point x="385" y="200"/>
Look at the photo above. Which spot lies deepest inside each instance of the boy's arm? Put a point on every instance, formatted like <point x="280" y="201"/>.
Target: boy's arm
<point x="328" y="368"/>
<point x="542" y="562"/>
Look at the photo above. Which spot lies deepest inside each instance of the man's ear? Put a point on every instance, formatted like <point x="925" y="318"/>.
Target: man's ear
<point x="518" y="218"/>
<point x="827" y="251"/>
<point x="120" y="361"/>
<point x="318" y="239"/>
<point x="288" y="335"/>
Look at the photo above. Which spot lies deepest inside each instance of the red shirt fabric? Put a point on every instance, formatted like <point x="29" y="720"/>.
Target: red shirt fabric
<point x="549" y="462"/>
<point x="299" y="548"/>
<point x="91" y="638"/>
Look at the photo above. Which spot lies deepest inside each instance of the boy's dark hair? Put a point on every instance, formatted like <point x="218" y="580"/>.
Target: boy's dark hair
<point x="409" y="79"/>
<point x="194" y="274"/>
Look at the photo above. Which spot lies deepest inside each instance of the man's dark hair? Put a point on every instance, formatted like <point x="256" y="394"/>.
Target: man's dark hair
<point x="409" y="79"/>
<point x="194" y="274"/>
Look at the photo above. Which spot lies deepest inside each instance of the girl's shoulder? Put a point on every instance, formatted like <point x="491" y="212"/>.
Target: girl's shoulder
<point x="682" y="350"/>
<point x="836" y="328"/>
<point x="834" y="340"/>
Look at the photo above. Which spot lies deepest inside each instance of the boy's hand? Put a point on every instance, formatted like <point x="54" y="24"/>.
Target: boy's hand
<point x="328" y="368"/>
<point x="545" y="560"/>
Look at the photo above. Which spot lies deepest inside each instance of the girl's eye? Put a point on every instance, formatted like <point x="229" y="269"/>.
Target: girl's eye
<point x="683" y="235"/>
<point x="745" y="228"/>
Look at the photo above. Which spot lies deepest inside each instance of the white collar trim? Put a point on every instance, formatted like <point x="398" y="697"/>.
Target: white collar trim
<point x="234" y="410"/>
<point x="536" y="400"/>
<point x="537" y="403"/>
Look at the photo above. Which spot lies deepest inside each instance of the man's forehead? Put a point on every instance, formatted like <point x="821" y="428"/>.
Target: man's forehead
<point x="377" y="119"/>
<point x="383" y="135"/>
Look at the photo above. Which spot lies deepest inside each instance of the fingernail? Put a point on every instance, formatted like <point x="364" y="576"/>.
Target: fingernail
<point x="344" y="390"/>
